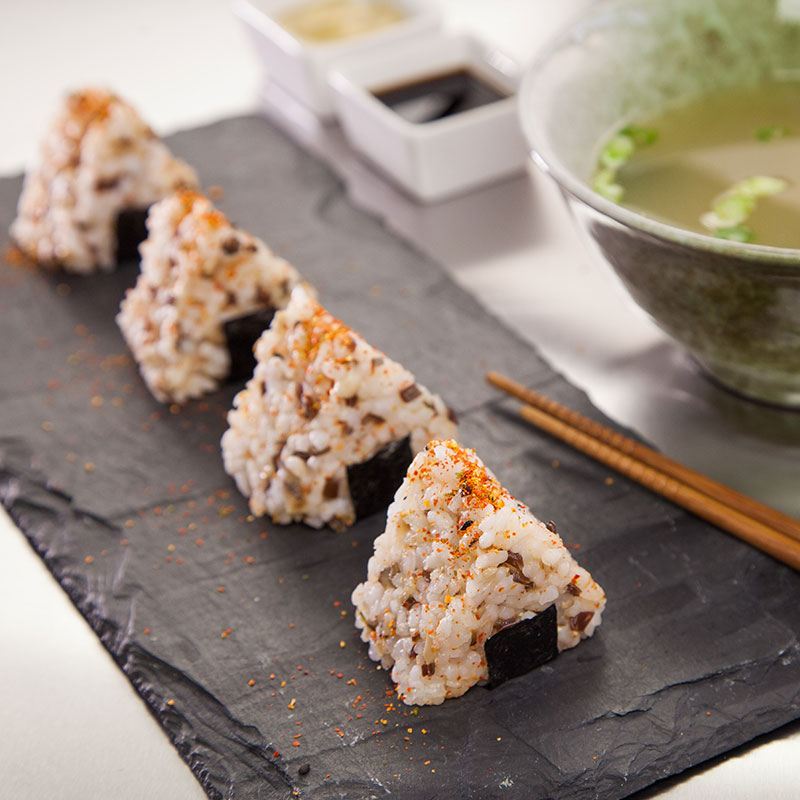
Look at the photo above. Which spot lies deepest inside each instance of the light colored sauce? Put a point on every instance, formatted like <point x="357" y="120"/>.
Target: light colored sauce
<point x="705" y="148"/>
<point x="330" y="20"/>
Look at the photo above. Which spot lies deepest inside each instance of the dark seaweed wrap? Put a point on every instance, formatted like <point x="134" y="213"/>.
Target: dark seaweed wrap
<point x="518" y="649"/>
<point x="131" y="230"/>
<point x="241" y="334"/>
<point x="373" y="482"/>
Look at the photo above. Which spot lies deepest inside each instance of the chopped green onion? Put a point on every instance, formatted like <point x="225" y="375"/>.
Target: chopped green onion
<point x="735" y="205"/>
<point x="769" y="132"/>
<point x="729" y="209"/>
<point x="736" y="233"/>
<point x="759" y="186"/>
<point x="617" y="151"/>
<point x="642" y="137"/>
<point x="604" y="183"/>
<point x="614" y="155"/>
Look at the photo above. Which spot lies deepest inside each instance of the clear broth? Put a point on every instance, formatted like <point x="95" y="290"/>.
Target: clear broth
<point x="705" y="147"/>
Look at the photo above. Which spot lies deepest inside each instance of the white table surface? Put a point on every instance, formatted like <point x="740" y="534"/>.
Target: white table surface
<point x="185" y="63"/>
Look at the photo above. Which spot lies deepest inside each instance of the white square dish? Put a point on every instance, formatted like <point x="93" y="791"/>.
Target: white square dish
<point x="301" y="67"/>
<point x="435" y="159"/>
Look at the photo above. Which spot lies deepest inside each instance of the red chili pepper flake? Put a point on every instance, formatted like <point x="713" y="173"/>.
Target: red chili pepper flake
<point x="295" y="744"/>
<point x="180" y="561"/>
<point x="291" y="624"/>
<point x="221" y="589"/>
<point x="251" y="682"/>
<point x="146" y="631"/>
<point x="272" y="676"/>
<point x="336" y="604"/>
<point x="198" y="542"/>
<point x="276" y="754"/>
<point x="226" y="633"/>
<point x="89" y="559"/>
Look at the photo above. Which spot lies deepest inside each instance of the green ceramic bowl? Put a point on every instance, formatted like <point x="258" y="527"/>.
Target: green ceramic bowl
<point x="734" y="306"/>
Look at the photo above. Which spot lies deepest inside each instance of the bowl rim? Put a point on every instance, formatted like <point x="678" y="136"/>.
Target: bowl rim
<point x="544" y="157"/>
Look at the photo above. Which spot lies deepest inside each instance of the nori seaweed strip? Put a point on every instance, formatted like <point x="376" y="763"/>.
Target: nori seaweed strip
<point x="241" y="334"/>
<point x="373" y="482"/>
<point x="518" y="649"/>
<point x="131" y="232"/>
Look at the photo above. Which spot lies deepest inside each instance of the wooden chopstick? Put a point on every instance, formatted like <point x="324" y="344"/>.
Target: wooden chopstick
<point x="726" y="495"/>
<point x="574" y="429"/>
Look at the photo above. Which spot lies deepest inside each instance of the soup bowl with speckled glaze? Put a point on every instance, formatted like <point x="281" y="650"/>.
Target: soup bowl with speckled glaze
<point x="734" y="306"/>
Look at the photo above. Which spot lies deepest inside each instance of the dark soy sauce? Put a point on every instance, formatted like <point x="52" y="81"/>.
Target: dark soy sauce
<point x="439" y="96"/>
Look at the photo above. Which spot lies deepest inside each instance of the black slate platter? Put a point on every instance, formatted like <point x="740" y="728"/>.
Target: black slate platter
<point x="127" y="503"/>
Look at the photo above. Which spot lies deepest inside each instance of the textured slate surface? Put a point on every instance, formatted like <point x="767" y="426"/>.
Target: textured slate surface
<point x="128" y="505"/>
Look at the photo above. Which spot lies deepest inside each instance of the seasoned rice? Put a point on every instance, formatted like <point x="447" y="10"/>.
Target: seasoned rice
<point x="460" y="560"/>
<point x="97" y="159"/>
<point x="321" y="399"/>
<point x="198" y="271"/>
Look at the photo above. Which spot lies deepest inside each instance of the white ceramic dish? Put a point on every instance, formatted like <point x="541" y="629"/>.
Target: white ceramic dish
<point x="301" y="68"/>
<point x="437" y="159"/>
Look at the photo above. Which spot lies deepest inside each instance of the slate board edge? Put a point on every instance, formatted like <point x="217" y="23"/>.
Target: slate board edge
<point x="154" y="681"/>
<point x="247" y="750"/>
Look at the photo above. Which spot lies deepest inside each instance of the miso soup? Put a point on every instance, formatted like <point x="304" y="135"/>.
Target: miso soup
<point x="727" y="165"/>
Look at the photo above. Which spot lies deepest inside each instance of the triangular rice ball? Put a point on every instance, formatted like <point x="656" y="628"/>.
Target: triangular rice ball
<point x="325" y="414"/>
<point x="200" y="277"/>
<point x="466" y="585"/>
<point x="97" y="160"/>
